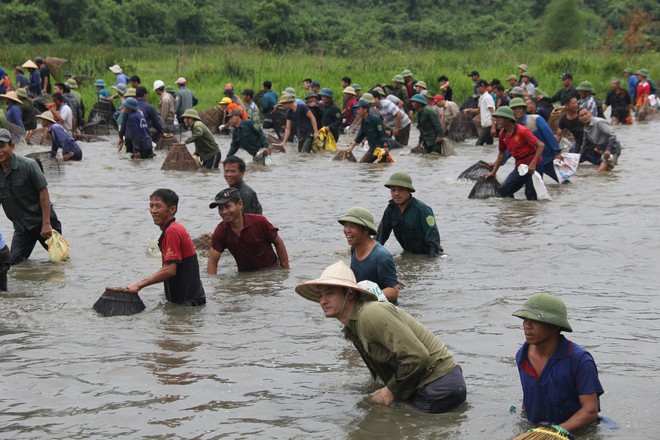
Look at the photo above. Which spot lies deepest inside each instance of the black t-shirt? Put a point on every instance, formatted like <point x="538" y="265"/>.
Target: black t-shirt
<point x="300" y="116"/>
<point x="574" y="126"/>
<point x="45" y="73"/>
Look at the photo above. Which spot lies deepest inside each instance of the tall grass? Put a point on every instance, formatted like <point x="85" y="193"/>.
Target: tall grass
<point x="208" y="69"/>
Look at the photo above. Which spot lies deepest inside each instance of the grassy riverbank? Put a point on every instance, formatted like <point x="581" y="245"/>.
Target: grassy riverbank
<point x="208" y="69"/>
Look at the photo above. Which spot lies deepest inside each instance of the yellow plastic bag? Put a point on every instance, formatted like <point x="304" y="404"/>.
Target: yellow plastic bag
<point x="330" y="143"/>
<point x="58" y="248"/>
<point x="383" y="156"/>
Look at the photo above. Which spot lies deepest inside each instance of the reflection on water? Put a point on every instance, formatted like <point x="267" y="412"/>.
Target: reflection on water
<point x="260" y="362"/>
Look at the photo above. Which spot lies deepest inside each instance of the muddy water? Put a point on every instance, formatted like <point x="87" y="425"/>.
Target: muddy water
<point x="258" y="361"/>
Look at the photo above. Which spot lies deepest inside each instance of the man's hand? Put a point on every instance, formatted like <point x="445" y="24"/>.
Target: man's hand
<point x="133" y="288"/>
<point x="46" y="230"/>
<point x="382" y="397"/>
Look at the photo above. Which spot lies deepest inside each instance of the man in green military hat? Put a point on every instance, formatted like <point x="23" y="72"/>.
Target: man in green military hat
<point x="412" y="220"/>
<point x="559" y="378"/>
<point x="369" y="259"/>
<point x="399" y="90"/>
<point x="428" y="124"/>
<point x="586" y="92"/>
<point x="205" y="145"/>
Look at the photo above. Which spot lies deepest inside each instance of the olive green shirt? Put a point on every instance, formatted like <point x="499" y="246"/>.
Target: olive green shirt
<point x="428" y="125"/>
<point x="19" y="193"/>
<point x="396" y="348"/>
<point x="401" y="93"/>
<point x="205" y="145"/>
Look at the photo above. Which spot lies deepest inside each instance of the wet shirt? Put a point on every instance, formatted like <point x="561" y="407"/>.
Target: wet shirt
<point x="574" y="126"/>
<point x="21" y="81"/>
<point x="249" y="137"/>
<point x="415" y="228"/>
<point x="564" y="95"/>
<point x="62" y="139"/>
<point x="428" y="125"/>
<point x="268" y="102"/>
<point x="396" y="348"/>
<point x="150" y="115"/>
<point x="521" y="144"/>
<point x="44" y="74"/>
<point x="618" y="101"/>
<point x="205" y="145"/>
<point x="600" y="133"/>
<point x="632" y="87"/>
<point x="19" y="193"/>
<point x="251" y="203"/>
<point x="372" y="128"/>
<point x="183" y="101"/>
<point x="137" y="131"/>
<point x="553" y="396"/>
<point x="299" y="115"/>
<point x="253" y="250"/>
<point x="176" y="247"/>
<point x="485" y="104"/>
<point x="35" y="83"/>
<point x="14" y="115"/>
<point x="331" y="118"/>
<point x="166" y="105"/>
<point x="543" y="132"/>
<point x="388" y="111"/>
<point x="378" y="267"/>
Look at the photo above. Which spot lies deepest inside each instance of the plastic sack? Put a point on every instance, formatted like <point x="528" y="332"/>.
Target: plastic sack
<point x="537" y="181"/>
<point x="330" y="143"/>
<point x="372" y="287"/>
<point x="383" y="156"/>
<point x="58" y="248"/>
<point x="567" y="167"/>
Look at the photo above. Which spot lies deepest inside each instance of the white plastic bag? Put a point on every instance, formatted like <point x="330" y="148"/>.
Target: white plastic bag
<point x="567" y="167"/>
<point x="537" y="181"/>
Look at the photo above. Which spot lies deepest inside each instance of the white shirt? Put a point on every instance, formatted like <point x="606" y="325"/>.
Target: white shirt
<point x="67" y="117"/>
<point x="388" y="111"/>
<point x="485" y="103"/>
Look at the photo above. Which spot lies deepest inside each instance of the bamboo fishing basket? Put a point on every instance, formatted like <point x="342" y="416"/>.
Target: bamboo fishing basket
<point x="179" y="159"/>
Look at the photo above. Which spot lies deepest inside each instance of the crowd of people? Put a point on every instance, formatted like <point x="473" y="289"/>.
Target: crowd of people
<point x="412" y="362"/>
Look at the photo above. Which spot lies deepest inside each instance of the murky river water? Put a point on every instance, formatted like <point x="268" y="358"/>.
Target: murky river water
<point x="260" y="362"/>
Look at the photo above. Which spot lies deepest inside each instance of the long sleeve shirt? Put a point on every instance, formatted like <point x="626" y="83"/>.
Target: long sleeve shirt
<point x="415" y="228"/>
<point x="396" y="348"/>
<point x="14" y="115"/>
<point x="268" y="102"/>
<point x="429" y="126"/>
<point x="205" y="145"/>
<point x="331" y="118"/>
<point x="372" y="129"/>
<point x="151" y="116"/>
<point x="62" y="139"/>
<point x="248" y="137"/>
<point x="599" y="133"/>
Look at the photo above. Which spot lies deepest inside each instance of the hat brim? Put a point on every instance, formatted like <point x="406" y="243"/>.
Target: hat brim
<point x="12" y="98"/>
<point x="310" y="289"/>
<point x="217" y="203"/>
<point x="401" y="185"/>
<point x="525" y="313"/>
<point x="359" y="221"/>
<point x="47" y="119"/>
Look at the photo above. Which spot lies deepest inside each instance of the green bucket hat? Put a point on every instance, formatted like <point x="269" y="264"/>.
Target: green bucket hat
<point x="310" y="95"/>
<point x="421" y="84"/>
<point x="505" y="112"/>
<point x="543" y="307"/>
<point x="191" y="113"/>
<point x="585" y="86"/>
<point x="517" y="102"/>
<point x="327" y="92"/>
<point x="406" y="73"/>
<point x="367" y="97"/>
<point x="398" y="79"/>
<point x="643" y="72"/>
<point x="170" y="89"/>
<point x="400" y="179"/>
<point x="290" y="91"/>
<point x="628" y="70"/>
<point x="360" y="216"/>
<point x="516" y="91"/>
<point x="72" y="83"/>
<point x="419" y="98"/>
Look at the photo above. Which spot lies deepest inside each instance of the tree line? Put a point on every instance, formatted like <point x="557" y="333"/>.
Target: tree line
<point x="338" y="26"/>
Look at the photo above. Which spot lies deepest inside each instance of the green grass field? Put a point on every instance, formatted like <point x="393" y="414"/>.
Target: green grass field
<point x="208" y="69"/>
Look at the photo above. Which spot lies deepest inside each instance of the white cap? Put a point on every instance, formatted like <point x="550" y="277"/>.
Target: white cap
<point x="158" y="84"/>
<point x="115" y="69"/>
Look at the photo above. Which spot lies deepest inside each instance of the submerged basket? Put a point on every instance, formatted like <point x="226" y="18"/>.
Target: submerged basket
<point x="179" y="159"/>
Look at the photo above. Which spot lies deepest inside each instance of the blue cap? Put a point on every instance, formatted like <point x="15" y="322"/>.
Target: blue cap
<point x="362" y="103"/>
<point x="315" y="84"/>
<point x="327" y="93"/>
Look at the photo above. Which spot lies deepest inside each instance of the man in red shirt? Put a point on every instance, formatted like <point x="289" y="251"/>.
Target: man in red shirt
<point x="249" y="237"/>
<point x="180" y="269"/>
<point x="523" y="146"/>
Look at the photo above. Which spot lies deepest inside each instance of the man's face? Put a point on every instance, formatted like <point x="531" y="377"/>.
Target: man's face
<point x="247" y="98"/>
<point x="160" y="212"/>
<point x="188" y="121"/>
<point x="500" y="122"/>
<point x="475" y="78"/>
<point x="306" y="85"/>
<point x="518" y="112"/>
<point x="344" y="84"/>
<point x="362" y="112"/>
<point x="6" y="149"/>
<point x="332" y="300"/>
<point x="59" y="90"/>
<point x="418" y="89"/>
<point x="513" y="82"/>
<point x="481" y="89"/>
<point x="135" y="84"/>
<point x="615" y="85"/>
<point x="531" y="106"/>
<point x="538" y="332"/>
<point x="567" y="82"/>
<point x="400" y="195"/>
<point x="235" y="121"/>
<point x="231" y="210"/>
<point x="354" y="233"/>
<point x="584" y="116"/>
<point x="233" y="175"/>
<point x="572" y="104"/>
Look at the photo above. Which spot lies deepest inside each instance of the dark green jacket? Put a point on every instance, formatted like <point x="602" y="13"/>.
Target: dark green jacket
<point x="205" y="145"/>
<point x="248" y="137"/>
<point x="415" y="228"/>
<point x="429" y="126"/>
<point x="373" y="130"/>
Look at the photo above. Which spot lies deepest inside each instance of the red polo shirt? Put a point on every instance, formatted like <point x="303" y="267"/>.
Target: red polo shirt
<point x="521" y="144"/>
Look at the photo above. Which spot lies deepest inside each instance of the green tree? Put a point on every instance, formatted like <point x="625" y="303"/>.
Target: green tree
<point x="25" y="24"/>
<point x="562" y="25"/>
